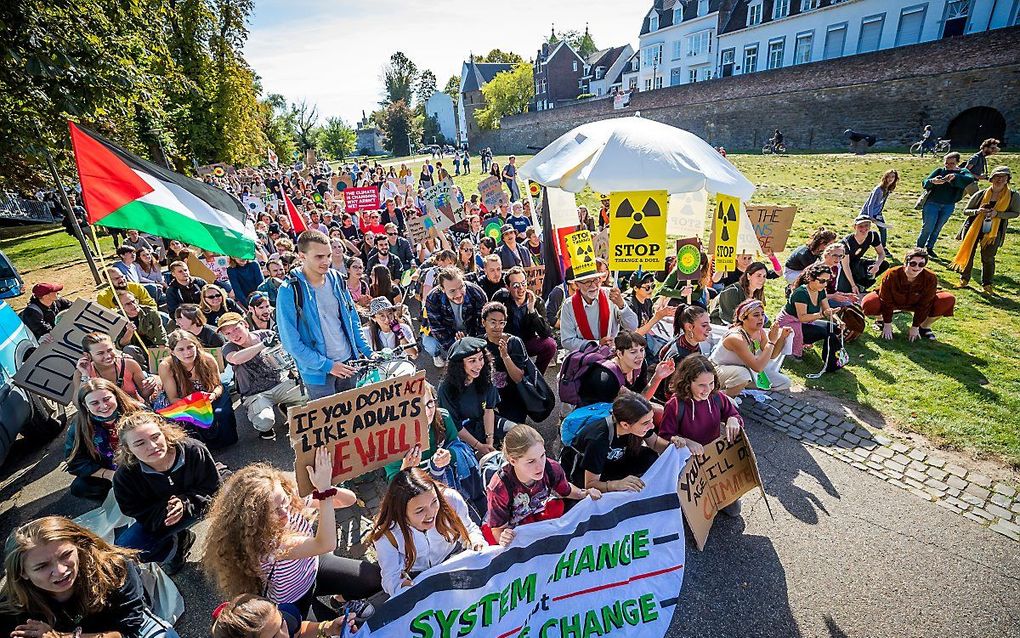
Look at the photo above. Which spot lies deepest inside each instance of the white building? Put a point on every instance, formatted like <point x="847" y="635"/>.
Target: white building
<point x="758" y="35"/>
<point x="440" y="106"/>
<point x="678" y="43"/>
<point x="604" y="70"/>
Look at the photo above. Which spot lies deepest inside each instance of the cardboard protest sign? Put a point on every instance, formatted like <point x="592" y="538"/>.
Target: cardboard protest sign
<point x="219" y="169"/>
<point x="536" y="278"/>
<point x="772" y="225"/>
<point x="601" y="244"/>
<point x="198" y="269"/>
<point x="689" y="264"/>
<point x="492" y="194"/>
<point x="444" y="203"/>
<point x="725" y="222"/>
<point x="255" y="205"/>
<point x="361" y="198"/>
<point x="637" y="230"/>
<point x="715" y="479"/>
<point x="582" y="254"/>
<point x="158" y="353"/>
<point x="415" y="225"/>
<point x="50" y="371"/>
<point x="365" y="428"/>
<point x="611" y="567"/>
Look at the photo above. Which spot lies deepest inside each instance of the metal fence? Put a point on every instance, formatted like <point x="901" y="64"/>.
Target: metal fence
<point x="14" y="207"/>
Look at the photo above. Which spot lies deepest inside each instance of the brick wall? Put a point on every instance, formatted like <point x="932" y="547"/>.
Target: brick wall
<point x="890" y="94"/>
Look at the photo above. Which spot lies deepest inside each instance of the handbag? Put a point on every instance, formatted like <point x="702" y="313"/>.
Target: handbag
<point x="539" y="399"/>
<point x="922" y="200"/>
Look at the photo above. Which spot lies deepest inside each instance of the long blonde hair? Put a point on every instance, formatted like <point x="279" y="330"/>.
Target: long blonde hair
<point x="84" y="429"/>
<point x="204" y="305"/>
<point x="244" y="529"/>
<point x="102" y="569"/>
<point x="205" y="365"/>
<point x="172" y="432"/>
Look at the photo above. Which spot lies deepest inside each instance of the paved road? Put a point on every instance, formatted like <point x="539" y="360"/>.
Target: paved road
<point x="847" y="554"/>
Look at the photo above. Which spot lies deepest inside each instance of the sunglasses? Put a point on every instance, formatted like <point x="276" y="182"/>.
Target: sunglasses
<point x="214" y="296"/>
<point x="518" y="284"/>
<point x="392" y="233"/>
<point x="917" y="264"/>
<point x="824" y="280"/>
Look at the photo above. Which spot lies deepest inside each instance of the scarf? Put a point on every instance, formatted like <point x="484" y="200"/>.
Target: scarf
<point x="970" y="241"/>
<point x="582" y="318"/>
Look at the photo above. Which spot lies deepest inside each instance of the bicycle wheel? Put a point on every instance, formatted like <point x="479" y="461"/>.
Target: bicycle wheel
<point x="915" y="148"/>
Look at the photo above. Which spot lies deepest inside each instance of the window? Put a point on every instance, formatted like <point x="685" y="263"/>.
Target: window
<point x="652" y="56"/>
<point x="632" y="84"/>
<point x="676" y="77"/>
<point x="653" y="21"/>
<point x="678" y="14"/>
<point x="835" y="41"/>
<point x="754" y="14"/>
<point x="780" y="9"/>
<point x="871" y="33"/>
<point x="692" y="76"/>
<point x="776" y="49"/>
<point x="702" y="7"/>
<point x="802" y="49"/>
<point x="575" y="66"/>
<point x="587" y="69"/>
<point x="677" y="49"/>
<point x="810" y="5"/>
<point x="911" y="21"/>
<point x="750" y="59"/>
<point x="580" y="84"/>
<point x="699" y="43"/>
<point x="658" y="81"/>
<point x="648" y="84"/>
<point x="599" y="73"/>
<point x="955" y="20"/>
<point x="727" y="62"/>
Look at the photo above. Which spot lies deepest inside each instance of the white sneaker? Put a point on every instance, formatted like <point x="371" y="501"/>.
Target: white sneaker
<point x="439" y="362"/>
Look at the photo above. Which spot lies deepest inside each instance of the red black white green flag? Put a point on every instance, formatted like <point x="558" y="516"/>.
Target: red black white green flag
<point x="121" y="190"/>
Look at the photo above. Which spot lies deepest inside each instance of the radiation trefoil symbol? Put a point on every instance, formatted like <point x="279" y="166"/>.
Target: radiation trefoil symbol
<point x="727" y="215"/>
<point x="626" y="210"/>
<point x="584" y="252"/>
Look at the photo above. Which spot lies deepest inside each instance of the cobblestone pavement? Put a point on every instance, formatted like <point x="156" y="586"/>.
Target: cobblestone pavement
<point x="974" y="496"/>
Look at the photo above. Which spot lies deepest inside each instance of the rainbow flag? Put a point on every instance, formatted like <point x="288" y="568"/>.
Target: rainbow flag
<point x="195" y="410"/>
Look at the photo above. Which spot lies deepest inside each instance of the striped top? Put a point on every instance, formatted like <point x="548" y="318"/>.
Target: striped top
<point x="288" y="580"/>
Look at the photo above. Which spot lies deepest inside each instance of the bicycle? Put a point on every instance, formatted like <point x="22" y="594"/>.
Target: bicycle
<point x="388" y="363"/>
<point x="941" y="147"/>
<point x="773" y="149"/>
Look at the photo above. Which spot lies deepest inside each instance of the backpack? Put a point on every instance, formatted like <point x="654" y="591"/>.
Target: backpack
<point x="834" y="354"/>
<point x="854" y="321"/>
<point x="578" y="419"/>
<point x="574" y="367"/>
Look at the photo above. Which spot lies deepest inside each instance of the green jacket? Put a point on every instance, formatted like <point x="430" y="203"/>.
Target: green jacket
<point x="150" y="327"/>
<point x="950" y="192"/>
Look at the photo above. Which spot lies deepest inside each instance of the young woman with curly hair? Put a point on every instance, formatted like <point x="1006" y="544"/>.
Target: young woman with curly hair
<point x="469" y="396"/>
<point x="63" y="580"/>
<point x="420" y="524"/>
<point x="261" y="541"/>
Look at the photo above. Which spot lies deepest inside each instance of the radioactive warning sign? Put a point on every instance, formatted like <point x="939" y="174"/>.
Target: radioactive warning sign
<point x="724" y="232"/>
<point x="637" y="230"/>
<point x="582" y="253"/>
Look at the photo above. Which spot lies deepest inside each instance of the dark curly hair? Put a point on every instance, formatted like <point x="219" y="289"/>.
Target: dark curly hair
<point x="456" y="377"/>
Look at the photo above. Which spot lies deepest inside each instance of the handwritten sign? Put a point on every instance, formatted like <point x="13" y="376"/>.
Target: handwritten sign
<point x="716" y="479"/>
<point x="772" y="225"/>
<point x="50" y="371"/>
<point x="197" y="268"/>
<point x="365" y="428"/>
<point x="444" y="203"/>
<point x="158" y="353"/>
<point x="536" y="278"/>
<point x="415" y="224"/>
<point x="492" y="193"/>
<point x="361" y="198"/>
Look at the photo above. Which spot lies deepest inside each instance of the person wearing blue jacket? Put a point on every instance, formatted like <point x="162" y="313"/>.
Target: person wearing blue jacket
<point x="317" y="320"/>
<point x="245" y="277"/>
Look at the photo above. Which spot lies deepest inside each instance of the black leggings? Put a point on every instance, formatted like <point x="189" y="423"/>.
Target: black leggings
<point x="350" y="578"/>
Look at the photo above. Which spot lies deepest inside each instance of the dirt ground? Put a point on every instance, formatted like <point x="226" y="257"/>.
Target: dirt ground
<point x="76" y="277"/>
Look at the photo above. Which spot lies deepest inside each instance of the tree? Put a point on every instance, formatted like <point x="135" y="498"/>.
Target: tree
<point x="337" y="138"/>
<point x="431" y="133"/>
<point x="426" y="87"/>
<point x="399" y="77"/>
<point x="399" y="124"/>
<point x="278" y="125"/>
<point x="304" y="120"/>
<point x="501" y="57"/>
<point x="583" y="43"/>
<point x="452" y="88"/>
<point x="508" y="93"/>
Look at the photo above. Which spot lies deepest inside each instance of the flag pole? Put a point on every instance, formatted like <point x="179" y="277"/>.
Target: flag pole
<point x="70" y="211"/>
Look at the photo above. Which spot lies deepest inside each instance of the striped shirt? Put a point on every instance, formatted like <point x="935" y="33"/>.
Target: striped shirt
<point x="288" y="580"/>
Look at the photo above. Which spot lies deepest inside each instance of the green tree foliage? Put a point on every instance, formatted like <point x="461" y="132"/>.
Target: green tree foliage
<point x="399" y="123"/>
<point x="583" y="43"/>
<point x="304" y="119"/>
<point x="507" y="94"/>
<point x="452" y="88"/>
<point x="426" y="87"/>
<point x="431" y="133"/>
<point x="278" y="125"/>
<point x="501" y="57"/>
<point x="399" y="79"/>
<point x="337" y="139"/>
<point x="167" y="73"/>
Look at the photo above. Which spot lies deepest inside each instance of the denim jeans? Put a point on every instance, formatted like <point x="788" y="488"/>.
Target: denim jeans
<point x="332" y="386"/>
<point x="432" y="346"/>
<point x="933" y="217"/>
<point x="154" y="548"/>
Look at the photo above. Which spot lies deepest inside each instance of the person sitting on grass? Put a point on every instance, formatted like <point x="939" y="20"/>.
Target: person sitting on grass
<point x="526" y="488"/>
<point x="421" y="523"/>
<point x="698" y="410"/>
<point x="807" y="254"/>
<point x="914" y="288"/>
<point x="748" y="355"/>
<point x="856" y="273"/>
<point x="750" y="285"/>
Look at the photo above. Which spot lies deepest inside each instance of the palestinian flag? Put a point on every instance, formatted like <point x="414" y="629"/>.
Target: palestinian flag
<point x="122" y="190"/>
<point x="296" y="221"/>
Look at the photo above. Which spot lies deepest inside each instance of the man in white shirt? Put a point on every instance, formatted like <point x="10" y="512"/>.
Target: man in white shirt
<point x="594" y="314"/>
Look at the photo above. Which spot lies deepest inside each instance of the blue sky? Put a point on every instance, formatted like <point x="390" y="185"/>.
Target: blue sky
<point x="332" y="53"/>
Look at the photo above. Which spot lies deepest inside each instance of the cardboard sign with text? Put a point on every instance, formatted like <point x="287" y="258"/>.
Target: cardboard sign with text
<point x="415" y="225"/>
<point x="536" y="278"/>
<point x="772" y="225"/>
<point x="725" y="222"/>
<point x="492" y="193"/>
<point x="444" y="203"/>
<point x="197" y="268"/>
<point x="715" y="479"/>
<point x="50" y="371"/>
<point x="158" y="353"/>
<point x="365" y="428"/>
<point x="361" y="198"/>
<point x="637" y="230"/>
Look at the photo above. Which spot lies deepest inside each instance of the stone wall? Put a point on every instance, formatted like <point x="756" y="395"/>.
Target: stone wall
<point x="890" y="94"/>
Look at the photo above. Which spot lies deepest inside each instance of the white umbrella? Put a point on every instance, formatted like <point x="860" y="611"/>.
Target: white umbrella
<point x="635" y="154"/>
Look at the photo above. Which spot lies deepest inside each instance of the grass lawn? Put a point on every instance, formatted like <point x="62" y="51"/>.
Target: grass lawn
<point x="41" y="245"/>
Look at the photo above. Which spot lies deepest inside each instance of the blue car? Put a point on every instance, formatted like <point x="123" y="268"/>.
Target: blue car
<point x="20" y="412"/>
<point x="11" y="284"/>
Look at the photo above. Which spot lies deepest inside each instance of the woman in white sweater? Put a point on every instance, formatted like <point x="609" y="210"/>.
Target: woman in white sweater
<point x="421" y="524"/>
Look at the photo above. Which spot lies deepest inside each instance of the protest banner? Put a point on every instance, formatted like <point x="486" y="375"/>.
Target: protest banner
<point x="415" y="225"/>
<point x="611" y="567"/>
<point x="689" y="264"/>
<point x="724" y="232"/>
<point x="715" y="479"/>
<point x="50" y="371"/>
<point x="158" y="353"/>
<point x="444" y="203"/>
<point x="365" y="428"/>
<point x="361" y="198"/>
<point x="772" y="225"/>
<point x="219" y="169"/>
<point x="601" y="244"/>
<point x="492" y="194"/>
<point x="687" y="213"/>
<point x="637" y="230"/>
<point x="255" y="205"/>
<point x="536" y="278"/>
<point x="582" y="254"/>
